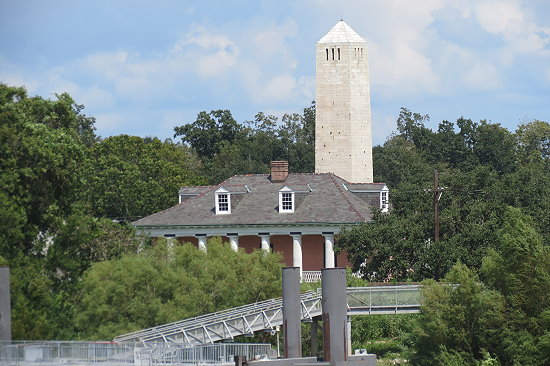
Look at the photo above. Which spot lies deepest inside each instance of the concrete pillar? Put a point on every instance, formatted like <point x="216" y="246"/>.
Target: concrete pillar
<point x="334" y="303"/>
<point x="314" y="338"/>
<point x="297" y="251"/>
<point x="265" y="243"/>
<point x="5" y="307"/>
<point x="234" y="241"/>
<point x="202" y="241"/>
<point x="170" y="243"/>
<point x="329" y="250"/>
<point x="348" y="336"/>
<point x="292" y="312"/>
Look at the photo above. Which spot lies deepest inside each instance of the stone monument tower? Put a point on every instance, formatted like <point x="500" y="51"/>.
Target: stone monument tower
<point x="343" y="139"/>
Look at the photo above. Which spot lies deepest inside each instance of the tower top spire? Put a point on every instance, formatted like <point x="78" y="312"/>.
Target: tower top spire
<point x="341" y="33"/>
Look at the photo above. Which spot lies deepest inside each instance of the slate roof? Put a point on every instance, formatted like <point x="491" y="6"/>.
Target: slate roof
<point x="325" y="200"/>
<point x="375" y="187"/>
<point x="341" y="33"/>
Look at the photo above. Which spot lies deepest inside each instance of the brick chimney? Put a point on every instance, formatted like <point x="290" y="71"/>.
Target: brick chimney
<point x="279" y="171"/>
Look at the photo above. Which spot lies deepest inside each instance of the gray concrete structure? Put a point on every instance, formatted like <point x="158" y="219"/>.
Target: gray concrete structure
<point x="335" y="325"/>
<point x="5" y="307"/>
<point x="343" y="139"/>
<point x="292" y="313"/>
<point x="335" y="330"/>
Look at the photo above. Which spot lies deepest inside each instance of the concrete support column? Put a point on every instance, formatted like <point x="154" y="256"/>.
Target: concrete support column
<point x="329" y="250"/>
<point x="233" y="241"/>
<point x="348" y="336"/>
<point x="297" y="251"/>
<point x="334" y="303"/>
<point x="265" y="242"/>
<point x="170" y="243"/>
<point x="314" y="338"/>
<point x="5" y="306"/>
<point x="292" y="313"/>
<point x="202" y="241"/>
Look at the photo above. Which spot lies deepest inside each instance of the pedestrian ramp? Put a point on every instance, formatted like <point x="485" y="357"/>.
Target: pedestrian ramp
<point x="267" y="315"/>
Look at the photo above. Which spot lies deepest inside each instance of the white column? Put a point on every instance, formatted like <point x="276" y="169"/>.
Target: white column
<point x="171" y="243"/>
<point x="297" y="251"/>
<point x="265" y="243"/>
<point x="234" y="242"/>
<point x="329" y="250"/>
<point x="202" y="242"/>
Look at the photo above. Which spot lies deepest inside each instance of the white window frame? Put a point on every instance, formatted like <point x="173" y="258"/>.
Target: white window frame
<point x="385" y="204"/>
<point x="222" y="192"/>
<point x="286" y="192"/>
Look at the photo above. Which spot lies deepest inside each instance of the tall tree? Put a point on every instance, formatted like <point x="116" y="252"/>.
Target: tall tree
<point x="42" y="147"/>
<point x="130" y="177"/>
<point x="159" y="286"/>
<point x="209" y="130"/>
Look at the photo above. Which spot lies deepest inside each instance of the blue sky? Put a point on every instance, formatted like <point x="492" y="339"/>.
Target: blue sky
<point x="143" y="67"/>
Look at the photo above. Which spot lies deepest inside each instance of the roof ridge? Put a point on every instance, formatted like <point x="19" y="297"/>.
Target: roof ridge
<point x="346" y="197"/>
<point x="158" y="213"/>
<point x="214" y="187"/>
<point x="205" y="186"/>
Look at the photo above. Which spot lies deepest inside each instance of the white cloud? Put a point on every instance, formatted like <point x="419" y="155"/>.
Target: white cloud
<point x="402" y="70"/>
<point x="468" y="69"/>
<point x="382" y="126"/>
<point x="511" y="20"/>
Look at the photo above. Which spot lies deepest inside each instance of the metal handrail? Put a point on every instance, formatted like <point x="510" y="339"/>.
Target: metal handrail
<point x="208" y="328"/>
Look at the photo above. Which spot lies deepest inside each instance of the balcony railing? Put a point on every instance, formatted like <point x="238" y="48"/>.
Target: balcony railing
<point x="311" y="276"/>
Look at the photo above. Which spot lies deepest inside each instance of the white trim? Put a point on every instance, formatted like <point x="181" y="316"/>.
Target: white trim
<point x="297" y="252"/>
<point x="234" y="242"/>
<point x="385" y="203"/>
<point x="286" y="191"/>
<point x="181" y="195"/>
<point x="329" y="250"/>
<point x="224" y="194"/>
<point x="223" y="230"/>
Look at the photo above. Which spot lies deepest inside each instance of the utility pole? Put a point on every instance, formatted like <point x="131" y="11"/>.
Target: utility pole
<point x="437" y="196"/>
<point x="436" y="206"/>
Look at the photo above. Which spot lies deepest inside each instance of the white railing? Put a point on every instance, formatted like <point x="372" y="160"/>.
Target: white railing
<point x="311" y="276"/>
<point x="114" y="353"/>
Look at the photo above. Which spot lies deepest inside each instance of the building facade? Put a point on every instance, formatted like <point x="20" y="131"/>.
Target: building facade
<point x="297" y="215"/>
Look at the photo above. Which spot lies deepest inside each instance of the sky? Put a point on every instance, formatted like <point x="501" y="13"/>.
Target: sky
<point x="143" y="67"/>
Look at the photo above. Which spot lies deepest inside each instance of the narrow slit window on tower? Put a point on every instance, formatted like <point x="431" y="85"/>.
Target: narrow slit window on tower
<point x="338" y="54"/>
<point x="333" y="54"/>
<point x="361" y="53"/>
<point x="327" y="53"/>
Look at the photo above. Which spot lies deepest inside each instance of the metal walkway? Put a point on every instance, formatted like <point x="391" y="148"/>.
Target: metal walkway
<point x="266" y="315"/>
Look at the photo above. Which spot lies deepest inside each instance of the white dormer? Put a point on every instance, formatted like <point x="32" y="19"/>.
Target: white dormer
<point x="286" y="200"/>
<point x="384" y="199"/>
<point x="223" y="201"/>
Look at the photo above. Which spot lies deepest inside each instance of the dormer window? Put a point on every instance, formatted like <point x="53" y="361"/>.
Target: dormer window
<point x="286" y="200"/>
<point x="223" y="201"/>
<point x="384" y="204"/>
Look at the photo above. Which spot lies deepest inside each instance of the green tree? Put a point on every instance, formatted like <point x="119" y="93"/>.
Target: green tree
<point x="503" y="318"/>
<point x="208" y="131"/>
<point x="130" y="177"/>
<point x="534" y="138"/>
<point x="520" y="270"/>
<point x="42" y="147"/>
<point x="458" y="321"/>
<point x="159" y="286"/>
<point x="495" y="146"/>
